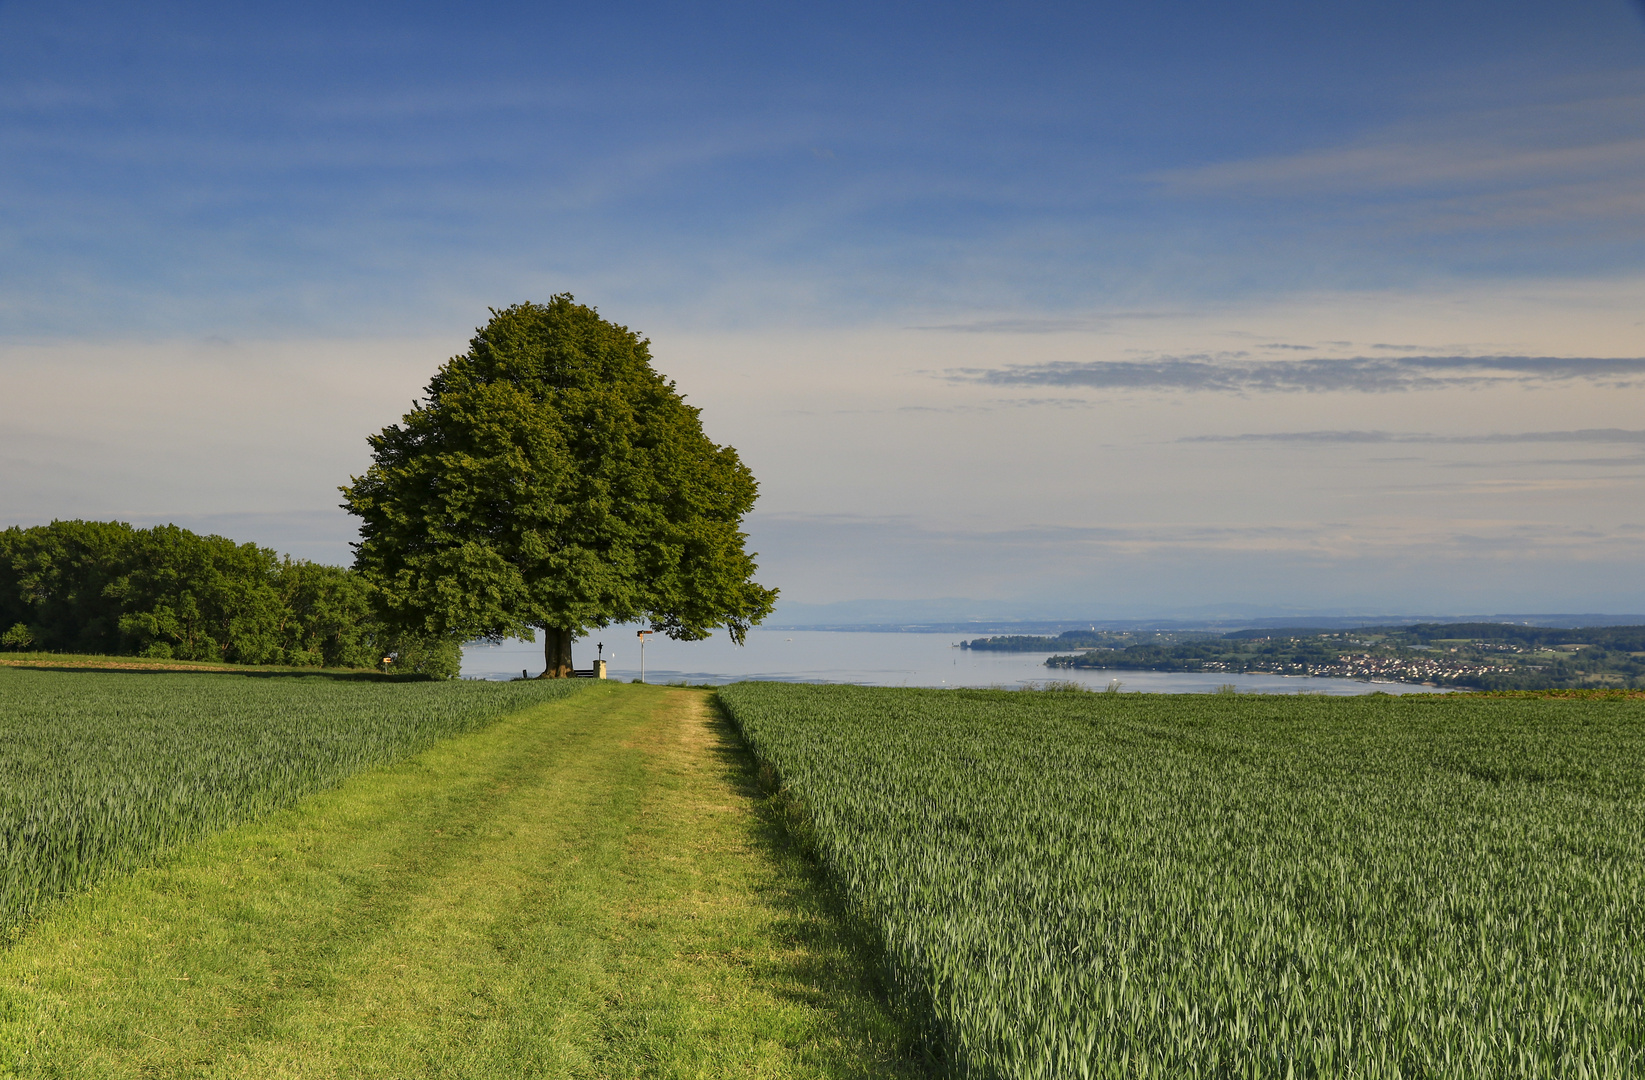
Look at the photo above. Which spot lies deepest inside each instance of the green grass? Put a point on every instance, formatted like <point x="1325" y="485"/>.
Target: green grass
<point x="1070" y="885"/>
<point x="100" y="771"/>
<point x="587" y="888"/>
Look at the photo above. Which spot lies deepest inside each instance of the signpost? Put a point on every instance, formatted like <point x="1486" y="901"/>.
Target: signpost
<point x="642" y="634"/>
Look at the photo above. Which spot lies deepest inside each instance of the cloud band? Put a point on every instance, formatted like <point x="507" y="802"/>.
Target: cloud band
<point x="1363" y="374"/>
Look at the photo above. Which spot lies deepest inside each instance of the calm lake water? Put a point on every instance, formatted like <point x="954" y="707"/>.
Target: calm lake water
<point x="866" y="659"/>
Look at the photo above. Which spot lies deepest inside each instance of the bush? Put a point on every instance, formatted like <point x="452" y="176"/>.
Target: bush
<point x="436" y="658"/>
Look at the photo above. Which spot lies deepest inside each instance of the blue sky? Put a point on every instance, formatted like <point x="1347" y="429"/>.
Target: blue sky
<point x="926" y="237"/>
<point x="298" y="169"/>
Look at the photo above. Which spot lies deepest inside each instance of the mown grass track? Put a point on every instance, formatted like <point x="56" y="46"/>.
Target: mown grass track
<point x="100" y="771"/>
<point x="588" y="888"/>
<point x="1070" y="885"/>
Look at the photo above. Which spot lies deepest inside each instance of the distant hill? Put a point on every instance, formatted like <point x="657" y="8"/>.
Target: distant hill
<point x="1474" y="655"/>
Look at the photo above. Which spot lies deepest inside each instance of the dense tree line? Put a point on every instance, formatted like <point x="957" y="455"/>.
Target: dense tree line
<point x="1197" y="654"/>
<point x="1068" y="639"/>
<point x="107" y="588"/>
<point x="1615" y="638"/>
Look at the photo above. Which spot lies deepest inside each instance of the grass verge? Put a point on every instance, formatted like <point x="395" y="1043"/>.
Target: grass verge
<point x="587" y="888"/>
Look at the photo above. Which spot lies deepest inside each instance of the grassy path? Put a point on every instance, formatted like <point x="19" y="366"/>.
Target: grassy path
<point x="584" y="889"/>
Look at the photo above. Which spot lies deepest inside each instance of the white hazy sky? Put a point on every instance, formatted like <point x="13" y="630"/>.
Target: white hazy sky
<point x="1065" y="309"/>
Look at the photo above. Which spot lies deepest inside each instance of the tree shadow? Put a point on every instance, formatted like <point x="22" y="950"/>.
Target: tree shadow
<point x="834" y="961"/>
<point x="115" y="667"/>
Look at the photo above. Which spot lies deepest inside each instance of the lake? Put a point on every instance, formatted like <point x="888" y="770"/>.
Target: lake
<point x="867" y="659"/>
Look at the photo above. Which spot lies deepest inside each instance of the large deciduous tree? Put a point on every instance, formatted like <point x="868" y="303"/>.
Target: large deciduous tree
<point x="552" y="481"/>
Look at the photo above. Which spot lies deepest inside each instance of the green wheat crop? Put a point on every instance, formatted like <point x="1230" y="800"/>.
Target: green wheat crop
<point x="1103" y="885"/>
<point x="99" y="771"/>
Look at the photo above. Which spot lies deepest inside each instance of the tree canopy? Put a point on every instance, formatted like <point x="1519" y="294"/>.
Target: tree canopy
<point x="552" y="481"/>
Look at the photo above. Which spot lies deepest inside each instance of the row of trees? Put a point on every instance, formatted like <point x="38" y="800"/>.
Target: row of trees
<point x="108" y="588"/>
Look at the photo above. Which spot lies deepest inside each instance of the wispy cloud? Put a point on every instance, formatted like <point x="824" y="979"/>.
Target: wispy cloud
<point x="1419" y="160"/>
<point x="1366" y="374"/>
<point x="1014" y="326"/>
<point x="1626" y="461"/>
<point x="1359" y="538"/>
<point x="1051" y="324"/>
<point x="1595" y="131"/>
<point x="1561" y="158"/>
<point x="1608" y="436"/>
<point x="1002" y="403"/>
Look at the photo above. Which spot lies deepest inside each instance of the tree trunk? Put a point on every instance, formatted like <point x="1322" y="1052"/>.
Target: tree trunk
<point x="557" y="653"/>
